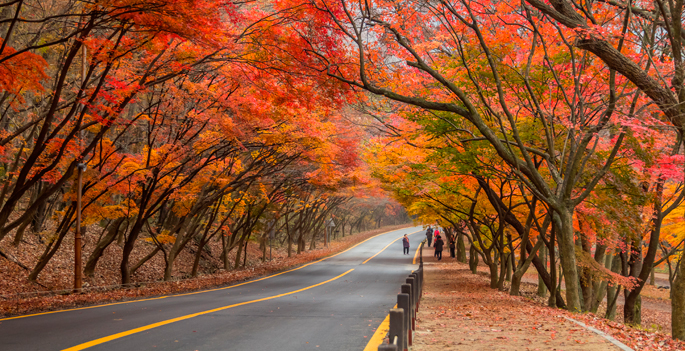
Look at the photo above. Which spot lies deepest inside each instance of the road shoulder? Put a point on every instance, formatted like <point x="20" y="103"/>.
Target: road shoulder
<point x="459" y="311"/>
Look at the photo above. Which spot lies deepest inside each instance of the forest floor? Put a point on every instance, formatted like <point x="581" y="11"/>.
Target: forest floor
<point x="459" y="311"/>
<point x="19" y="296"/>
<point x="656" y="304"/>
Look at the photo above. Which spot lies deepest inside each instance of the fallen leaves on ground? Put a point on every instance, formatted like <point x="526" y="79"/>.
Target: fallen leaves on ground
<point x="459" y="311"/>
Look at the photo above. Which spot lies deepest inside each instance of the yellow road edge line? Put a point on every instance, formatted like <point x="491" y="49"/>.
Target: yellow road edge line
<point x="202" y="291"/>
<point x="379" y="335"/>
<point x="177" y="319"/>
<point x="82" y="308"/>
<point x="416" y="254"/>
<point x="386" y="246"/>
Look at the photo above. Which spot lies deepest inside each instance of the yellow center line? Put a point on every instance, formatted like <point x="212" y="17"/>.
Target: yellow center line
<point x="379" y="335"/>
<point x="386" y="246"/>
<point x="177" y="319"/>
<point x="197" y="292"/>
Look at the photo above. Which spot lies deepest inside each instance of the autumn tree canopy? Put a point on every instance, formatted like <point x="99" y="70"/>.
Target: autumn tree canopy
<point x="537" y="132"/>
<point x="191" y="146"/>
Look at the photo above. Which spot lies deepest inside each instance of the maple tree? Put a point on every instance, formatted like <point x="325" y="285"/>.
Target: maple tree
<point x="529" y="129"/>
<point x="432" y="53"/>
<point x="556" y="116"/>
<point x="655" y="69"/>
<point x="190" y="145"/>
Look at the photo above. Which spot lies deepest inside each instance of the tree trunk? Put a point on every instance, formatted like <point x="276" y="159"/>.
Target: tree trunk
<point x="568" y="258"/>
<point x="652" y="278"/>
<point x="612" y="291"/>
<point x="678" y="303"/>
<point x="196" y="260"/>
<point x="585" y="275"/>
<point x="290" y="245"/>
<point x="101" y="246"/>
<point x="236" y="264"/>
<point x="461" y="249"/>
<point x="504" y="261"/>
<point x="144" y="259"/>
<point x="128" y="248"/>
<point x="642" y="267"/>
<point x="510" y="266"/>
<point x="20" y="233"/>
<point x="312" y="243"/>
<point x="300" y="242"/>
<point x="542" y="288"/>
<point x="224" y="252"/>
<point x="552" y="254"/>
<point x="262" y="245"/>
<point x="44" y="207"/>
<point x="493" y="274"/>
<point x="601" y="288"/>
<point x="632" y="306"/>
<point x="522" y="268"/>
<point x="186" y="231"/>
<point x="51" y="249"/>
<point x="473" y="259"/>
<point x="247" y="242"/>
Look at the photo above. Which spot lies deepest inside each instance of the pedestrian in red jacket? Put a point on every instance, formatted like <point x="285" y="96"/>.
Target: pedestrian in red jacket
<point x="436" y="235"/>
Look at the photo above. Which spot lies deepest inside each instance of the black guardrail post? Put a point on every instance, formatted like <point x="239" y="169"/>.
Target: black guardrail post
<point x="406" y="289"/>
<point x="397" y="328"/>
<point x="404" y="302"/>
<point x="421" y="277"/>
<point x="416" y="290"/>
<point x="412" y="282"/>
<point x="387" y="347"/>
<point x="419" y="273"/>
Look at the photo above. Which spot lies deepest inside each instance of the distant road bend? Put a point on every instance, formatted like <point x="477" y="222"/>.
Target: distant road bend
<point x="331" y="304"/>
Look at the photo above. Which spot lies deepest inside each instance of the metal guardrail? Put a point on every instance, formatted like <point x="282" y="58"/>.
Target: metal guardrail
<point x="403" y="318"/>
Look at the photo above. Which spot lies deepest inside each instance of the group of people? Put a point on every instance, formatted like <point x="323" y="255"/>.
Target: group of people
<point x="434" y="238"/>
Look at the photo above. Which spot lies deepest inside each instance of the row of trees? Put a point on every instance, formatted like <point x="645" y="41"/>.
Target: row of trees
<point x="524" y="125"/>
<point x="184" y="139"/>
<point x="556" y="123"/>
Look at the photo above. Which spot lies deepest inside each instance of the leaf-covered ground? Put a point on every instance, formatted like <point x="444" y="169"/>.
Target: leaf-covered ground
<point x="459" y="311"/>
<point x="656" y="306"/>
<point x="14" y="281"/>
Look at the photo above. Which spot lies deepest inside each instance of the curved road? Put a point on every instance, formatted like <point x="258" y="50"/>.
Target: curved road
<point x="332" y="304"/>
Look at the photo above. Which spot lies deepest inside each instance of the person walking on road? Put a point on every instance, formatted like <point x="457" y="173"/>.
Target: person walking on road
<point x="438" y="247"/>
<point x="405" y="243"/>
<point x="436" y="235"/>
<point x="429" y="235"/>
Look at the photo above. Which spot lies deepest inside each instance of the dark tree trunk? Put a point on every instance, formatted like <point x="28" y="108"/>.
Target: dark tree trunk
<point x="144" y="259"/>
<point x="19" y="236"/>
<point x="52" y="248"/>
<point x="678" y="303"/>
<point x="542" y="288"/>
<point x="128" y="248"/>
<point x="461" y="249"/>
<point x="101" y="246"/>
<point x="473" y="260"/>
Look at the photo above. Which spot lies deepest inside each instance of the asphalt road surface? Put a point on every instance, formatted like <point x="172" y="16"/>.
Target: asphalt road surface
<point x="333" y="304"/>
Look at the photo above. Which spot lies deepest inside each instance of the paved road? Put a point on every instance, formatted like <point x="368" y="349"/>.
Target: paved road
<point x="334" y="304"/>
